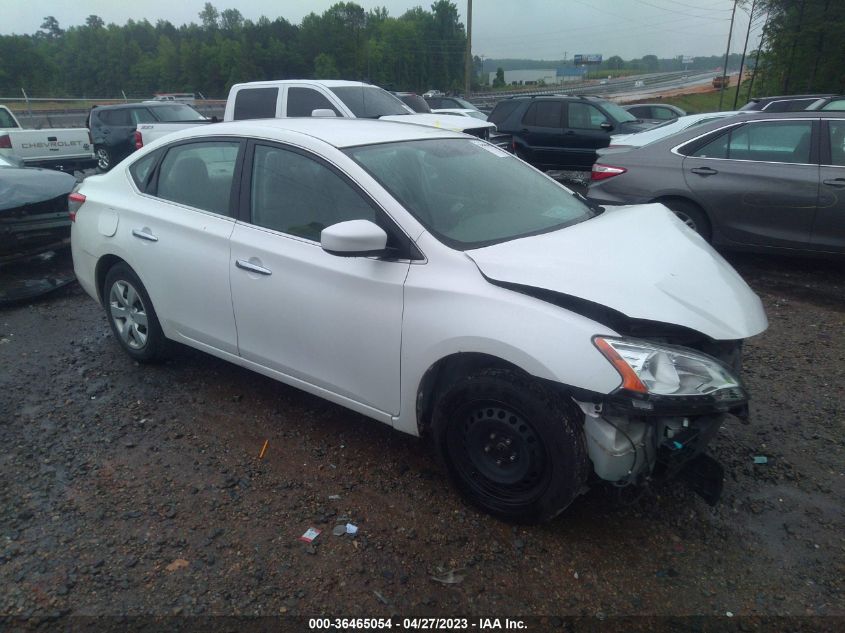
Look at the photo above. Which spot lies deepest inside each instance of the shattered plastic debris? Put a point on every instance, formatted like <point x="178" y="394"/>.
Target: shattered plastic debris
<point x="263" y="449"/>
<point x="339" y="530"/>
<point x="381" y="598"/>
<point x="351" y="529"/>
<point x="310" y="534"/>
<point x="449" y="578"/>
<point x="761" y="459"/>
<point x="334" y="497"/>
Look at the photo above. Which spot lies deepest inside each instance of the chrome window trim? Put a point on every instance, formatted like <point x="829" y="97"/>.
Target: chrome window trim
<point x="675" y="151"/>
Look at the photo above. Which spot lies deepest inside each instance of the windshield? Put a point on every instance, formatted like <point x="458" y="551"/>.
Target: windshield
<point x="469" y="193"/>
<point x="176" y="112"/>
<point x="416" y="103"/>
<point x="464" y="103"/>
<point x="618" y="112"/>
<point x="369" y="102"/>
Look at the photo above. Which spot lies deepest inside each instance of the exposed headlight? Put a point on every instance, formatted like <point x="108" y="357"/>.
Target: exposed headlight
<point x="665" y="371"/>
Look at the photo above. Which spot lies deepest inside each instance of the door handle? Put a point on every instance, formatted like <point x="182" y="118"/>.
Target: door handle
<point x="144" y="235"/>
<point x="703" y="171"/>
<point x="524" y="131"/>
<point x="569" y="133"/>
<point x="253" y="268"/>
<point x="835" y="182"/>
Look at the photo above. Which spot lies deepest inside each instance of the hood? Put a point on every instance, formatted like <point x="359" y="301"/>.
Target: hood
<point x="641" y="261"/>
<point x="444" y="121"/>
<point x="19" y="187"/>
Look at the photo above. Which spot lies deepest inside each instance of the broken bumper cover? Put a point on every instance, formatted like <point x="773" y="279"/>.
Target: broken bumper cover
<point x="635" y="439"/>
<point x="27" y="227"/>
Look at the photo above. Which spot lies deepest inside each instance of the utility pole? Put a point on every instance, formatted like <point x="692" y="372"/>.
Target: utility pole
<point x="468" y="67"/>
<point x="757" y="56"/>
<point x="727" y="52"/>
<point x="744" y="51"/>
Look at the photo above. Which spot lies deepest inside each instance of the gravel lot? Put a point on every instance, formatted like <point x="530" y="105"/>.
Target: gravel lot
<point x="133" y="489"/>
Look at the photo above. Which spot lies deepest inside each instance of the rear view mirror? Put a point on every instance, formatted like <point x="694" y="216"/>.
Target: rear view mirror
<point x="323" y="112"/>
<point x="354" y="238"/>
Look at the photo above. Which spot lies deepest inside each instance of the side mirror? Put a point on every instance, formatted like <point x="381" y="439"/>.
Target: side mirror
<point x="354" y="238"/>
<point x="323" y="112"/>
<point x="606" y="126"/>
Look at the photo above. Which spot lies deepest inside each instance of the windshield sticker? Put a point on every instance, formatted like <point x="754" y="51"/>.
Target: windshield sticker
<point x="491" y="148"/>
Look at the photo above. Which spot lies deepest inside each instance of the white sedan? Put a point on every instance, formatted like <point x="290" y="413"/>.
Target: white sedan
<point x="435" y="283"/>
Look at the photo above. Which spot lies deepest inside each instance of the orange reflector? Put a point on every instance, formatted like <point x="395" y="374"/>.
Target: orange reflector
<point x="630" y="380"/>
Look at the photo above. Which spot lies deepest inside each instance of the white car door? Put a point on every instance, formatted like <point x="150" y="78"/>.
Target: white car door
<point x="180" y="233"/>
<point x="328" y="321"/>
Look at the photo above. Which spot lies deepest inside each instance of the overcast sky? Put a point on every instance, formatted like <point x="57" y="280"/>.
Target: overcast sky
<point x="536" y="29"/>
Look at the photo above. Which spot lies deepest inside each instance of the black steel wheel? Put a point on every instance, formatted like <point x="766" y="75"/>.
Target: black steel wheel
<point x="513" y="447"/>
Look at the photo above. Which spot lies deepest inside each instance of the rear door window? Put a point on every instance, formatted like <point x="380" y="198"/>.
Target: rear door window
<point x="836" y="105"/>
<point x="836" y="130"/>
<point x="767" y="141"/>
<point x="549" y="114"/>
<point x="256" y="103"/>
<point x="199" y="175"/>
<point x="303" y="101"/>
<point x="641" y="112"/>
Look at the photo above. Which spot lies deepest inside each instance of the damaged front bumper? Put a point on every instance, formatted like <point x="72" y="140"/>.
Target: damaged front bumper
<point x="32" y="226"/>
<point x="637" y="441"/>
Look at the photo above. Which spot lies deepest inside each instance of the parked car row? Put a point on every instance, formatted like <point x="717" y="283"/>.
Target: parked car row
<point x="755" y="180"/>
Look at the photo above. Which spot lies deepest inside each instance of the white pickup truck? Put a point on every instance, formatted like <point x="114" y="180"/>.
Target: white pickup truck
<point x="321" y="98"/>
<point x="61" y="148"/>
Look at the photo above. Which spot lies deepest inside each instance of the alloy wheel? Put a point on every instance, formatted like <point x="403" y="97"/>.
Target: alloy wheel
<point x="128" y="314"/>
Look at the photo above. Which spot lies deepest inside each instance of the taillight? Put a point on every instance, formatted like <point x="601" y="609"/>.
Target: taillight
<point x="603" y="172"/>
<point x="5" y="142"/>
<point x="139" y="140"/>
<point x="74" y="201"/>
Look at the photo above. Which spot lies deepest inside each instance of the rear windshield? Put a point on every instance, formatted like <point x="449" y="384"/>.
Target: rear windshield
<point x="6" y="120"/>
<point x="176" y="112"/>
<point x="502" y="110"/>
<point x="369" y="102"/>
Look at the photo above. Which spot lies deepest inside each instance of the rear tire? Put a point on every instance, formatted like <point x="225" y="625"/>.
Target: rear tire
<point x="104" y="158"/>
<point x="513" y="447"/>
<point x="131" y="315"/>
<point x="692" y="215"/>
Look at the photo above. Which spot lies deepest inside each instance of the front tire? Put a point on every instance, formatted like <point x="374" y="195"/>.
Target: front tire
<point x="513" y="447"/>
<point x="131" y="315"/>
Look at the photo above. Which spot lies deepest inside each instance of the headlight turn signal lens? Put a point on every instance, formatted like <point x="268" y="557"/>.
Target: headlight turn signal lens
<point x="667" y="371"/>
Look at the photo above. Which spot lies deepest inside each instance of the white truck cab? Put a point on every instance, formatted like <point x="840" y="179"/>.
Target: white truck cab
<point x="65" y="148"/>
<point x="347" y="99"/>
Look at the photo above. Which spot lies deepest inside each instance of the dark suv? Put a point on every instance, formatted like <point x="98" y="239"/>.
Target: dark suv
<point x="113" y="127"/>
<point x="560" y="131"/>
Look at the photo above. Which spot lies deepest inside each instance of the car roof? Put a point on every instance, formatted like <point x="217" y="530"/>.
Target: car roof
<point x="789" y="97"/>
<point x="328" y="83"/>
<point x="141" y="104"/>
<point x="338" y="132"/>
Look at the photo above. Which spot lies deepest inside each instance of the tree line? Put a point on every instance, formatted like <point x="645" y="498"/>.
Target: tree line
<point x="803" y="47"/>
<point x="421" y="49"/>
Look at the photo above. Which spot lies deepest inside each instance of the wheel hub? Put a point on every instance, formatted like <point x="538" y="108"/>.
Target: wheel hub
<point x="499" y="446"/>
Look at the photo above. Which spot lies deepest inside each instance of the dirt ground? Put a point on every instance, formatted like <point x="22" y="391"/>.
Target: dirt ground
<point x="131" y="490"/>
